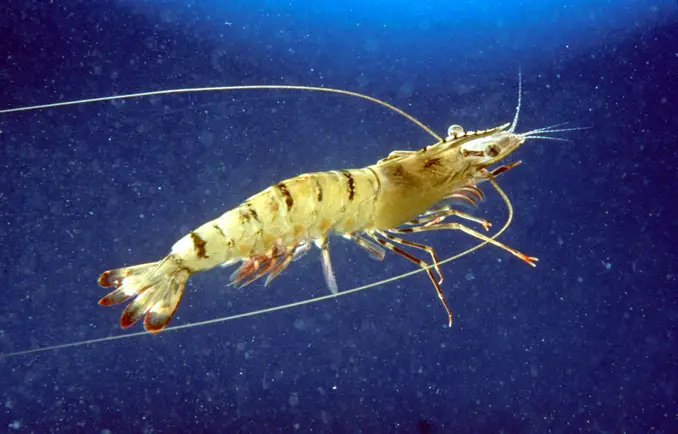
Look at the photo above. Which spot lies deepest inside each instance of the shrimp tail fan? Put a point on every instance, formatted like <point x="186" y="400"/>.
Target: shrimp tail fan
<point x="155" y="289"/>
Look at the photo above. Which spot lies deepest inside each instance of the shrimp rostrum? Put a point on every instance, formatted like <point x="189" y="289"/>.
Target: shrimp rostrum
<point x="376" y="207"/>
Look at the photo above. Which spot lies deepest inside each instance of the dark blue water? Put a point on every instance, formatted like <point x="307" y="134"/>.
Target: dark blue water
<point x="586" y="341"/>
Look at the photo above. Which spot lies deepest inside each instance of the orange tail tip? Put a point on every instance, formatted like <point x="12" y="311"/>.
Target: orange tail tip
<point x="156" y="289"/>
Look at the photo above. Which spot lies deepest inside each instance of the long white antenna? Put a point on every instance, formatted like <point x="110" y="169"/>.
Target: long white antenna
<point x="228" y="88"/>
<point x="520" y="97"/>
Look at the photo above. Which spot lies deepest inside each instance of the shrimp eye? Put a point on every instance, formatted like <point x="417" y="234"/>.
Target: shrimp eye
<point x="492" y="151"/>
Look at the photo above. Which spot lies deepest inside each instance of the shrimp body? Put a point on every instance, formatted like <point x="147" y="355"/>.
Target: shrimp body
<point x="272" y="228"/>
<point x="375" y="206"/>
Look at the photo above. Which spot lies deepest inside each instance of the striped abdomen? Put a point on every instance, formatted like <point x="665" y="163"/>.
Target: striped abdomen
<point x="305" y="208"/>
<point x="309" y="206"/>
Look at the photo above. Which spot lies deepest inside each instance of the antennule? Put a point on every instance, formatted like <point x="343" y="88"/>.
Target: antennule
<point x="520" y="97"/>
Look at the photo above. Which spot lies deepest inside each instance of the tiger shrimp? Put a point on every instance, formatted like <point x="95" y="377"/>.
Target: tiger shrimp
<point x="376" y="207"/>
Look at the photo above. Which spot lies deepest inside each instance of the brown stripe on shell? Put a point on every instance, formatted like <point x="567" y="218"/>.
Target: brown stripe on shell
<point x="199" y="245"/>
<point x="244" y="217"/>
<point x="217" y="227"/>
<point x="430" y="162"/>
<point x="254" y="214"/>
<point x="229" y="241"/>
<point x="286" y="194"/>
<point x="467" y="152"/>
<point x="319" y="190"/>
<point x="351" y="184"/>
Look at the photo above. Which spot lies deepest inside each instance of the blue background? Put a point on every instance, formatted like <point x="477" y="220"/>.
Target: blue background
<point x="584" y="342"/>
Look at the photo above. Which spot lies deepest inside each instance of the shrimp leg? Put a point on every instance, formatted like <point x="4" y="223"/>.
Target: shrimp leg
<point x="374" y="251"/>
<point x="469" y="189"/>
<point x="424" y="247"/>
<point x="328" y="272"/>
<point x="422" y="264"/>
<point x="267" y="265"/>
<point x="446" y="211"/>
<point x="275" y="272"/>
<point x="456" y="226"/>
<point x="471" y="194"/>
<point x="503" y="169"/>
